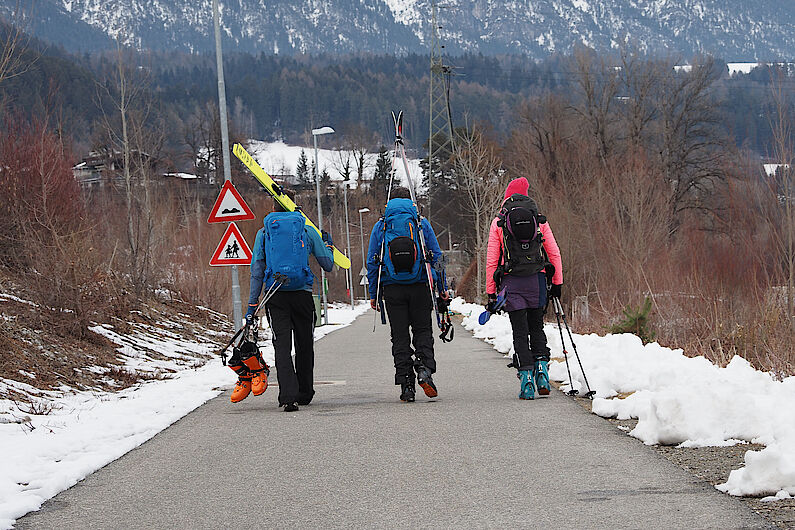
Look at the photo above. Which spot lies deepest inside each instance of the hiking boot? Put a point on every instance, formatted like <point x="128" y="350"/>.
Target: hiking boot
<point x="242" y="389"/>
<point x="290" y="407"/>
<point x="526" y="385"/>
<point x="303" y="399"/>
<point x="426" y="382"/>
<point x="407" y="391"/>
<point x="541" y="377"/>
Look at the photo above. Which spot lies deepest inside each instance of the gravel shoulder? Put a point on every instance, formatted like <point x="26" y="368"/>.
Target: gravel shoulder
<point x="713" y="465"/>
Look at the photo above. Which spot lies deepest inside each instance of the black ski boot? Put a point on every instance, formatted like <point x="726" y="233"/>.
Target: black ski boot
<point x="426" y="381"/>
<point x="407" y="391"/>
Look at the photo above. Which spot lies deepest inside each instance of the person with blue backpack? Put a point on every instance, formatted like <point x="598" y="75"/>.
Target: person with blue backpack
<point x="280" y="263"/>
<point x="394" y="257"/>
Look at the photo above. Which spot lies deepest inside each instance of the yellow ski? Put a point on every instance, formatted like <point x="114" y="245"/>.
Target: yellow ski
<point x="287" y="203"/>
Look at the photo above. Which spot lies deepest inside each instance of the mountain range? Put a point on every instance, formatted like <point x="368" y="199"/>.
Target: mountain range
<point x="730" y="29"/>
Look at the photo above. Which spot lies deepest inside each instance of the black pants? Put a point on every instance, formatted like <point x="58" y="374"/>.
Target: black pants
<point x="292" y="317"/>
<point x="410" y="306"/>
<point x="530" y="322"/>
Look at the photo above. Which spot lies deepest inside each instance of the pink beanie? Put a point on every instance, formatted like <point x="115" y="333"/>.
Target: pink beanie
<point x="519" y="185"/>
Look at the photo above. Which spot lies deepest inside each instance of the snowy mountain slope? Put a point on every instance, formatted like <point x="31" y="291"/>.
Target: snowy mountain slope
<point x="731" y="29"/>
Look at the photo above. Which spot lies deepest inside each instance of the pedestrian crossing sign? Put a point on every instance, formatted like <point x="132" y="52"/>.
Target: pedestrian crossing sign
<point x="232" y="250"/>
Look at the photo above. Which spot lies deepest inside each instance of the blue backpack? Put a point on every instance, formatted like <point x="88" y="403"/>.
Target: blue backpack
<point x="402" y="257"/>
<point x="286" y="250"/>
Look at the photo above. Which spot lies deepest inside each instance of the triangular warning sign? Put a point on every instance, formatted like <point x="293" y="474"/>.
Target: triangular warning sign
<point x="232" y="250"/>
<point x="230" y="206"/>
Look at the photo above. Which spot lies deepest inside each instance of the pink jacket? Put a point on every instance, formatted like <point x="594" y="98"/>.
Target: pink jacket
<point x="494" y="252"/>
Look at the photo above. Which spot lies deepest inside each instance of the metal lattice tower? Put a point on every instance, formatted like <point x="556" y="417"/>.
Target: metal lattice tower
<point x="440" y="118"/>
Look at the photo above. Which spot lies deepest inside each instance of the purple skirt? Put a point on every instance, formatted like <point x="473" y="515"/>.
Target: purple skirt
<point x="524" y="292"/>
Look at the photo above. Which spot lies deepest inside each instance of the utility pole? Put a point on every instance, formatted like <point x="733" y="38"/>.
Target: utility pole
<point x="237" y="312"/>
<point x="439" y="113"/>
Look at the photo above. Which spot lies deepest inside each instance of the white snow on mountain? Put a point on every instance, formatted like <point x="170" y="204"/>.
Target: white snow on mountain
<point x="732" y="28"/>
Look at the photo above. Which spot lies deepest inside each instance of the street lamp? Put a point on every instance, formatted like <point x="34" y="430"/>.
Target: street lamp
<point x="349" y="272"/>
<point x="364" y="261"/>
<point x="315" y="134"/>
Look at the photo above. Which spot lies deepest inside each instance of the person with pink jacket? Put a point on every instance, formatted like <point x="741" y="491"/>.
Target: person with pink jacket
<point x="521" y="253"/>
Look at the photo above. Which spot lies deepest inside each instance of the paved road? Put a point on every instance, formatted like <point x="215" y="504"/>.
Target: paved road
<point x="358" y="457"/>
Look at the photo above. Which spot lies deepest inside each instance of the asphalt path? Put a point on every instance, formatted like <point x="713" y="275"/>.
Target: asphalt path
<point x="475" y="457"/>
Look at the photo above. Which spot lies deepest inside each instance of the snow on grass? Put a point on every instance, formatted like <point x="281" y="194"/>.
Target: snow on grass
<point x="278" y="158"/>
<point x="678" y="400"/>
<point x="59" y="437"/>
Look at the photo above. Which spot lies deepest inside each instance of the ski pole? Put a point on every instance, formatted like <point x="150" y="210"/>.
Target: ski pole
<point x="572" y="391"/>
<point x="222" y="352"/>
<point x="559" y="306"/>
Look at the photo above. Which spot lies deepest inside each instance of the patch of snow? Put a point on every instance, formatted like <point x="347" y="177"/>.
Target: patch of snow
<point x="278" y="158"/>
<point x="677" y="399"/>
<point x="770" y="169"/>
<point x="17" y="299"/>
<point x="46" y="454"/>
<point x="740" y="68"/>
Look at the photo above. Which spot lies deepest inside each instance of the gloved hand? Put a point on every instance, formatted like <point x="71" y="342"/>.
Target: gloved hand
<point x="326" y="238"/>
<point x="554" y="291"/>
<point x="250" y="314"/>
<point x="373" y="304"/>
<point x="492" y="303"/>
<point x="443" y="301"/>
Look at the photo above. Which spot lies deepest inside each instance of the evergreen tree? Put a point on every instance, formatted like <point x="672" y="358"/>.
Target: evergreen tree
<point x="636" y="321"/>
<point x="302" y="171"/>
<point x="379" y="187"/>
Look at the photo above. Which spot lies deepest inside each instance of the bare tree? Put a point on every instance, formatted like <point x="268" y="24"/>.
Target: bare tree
<point x="360" y="141"/>
<point x="690" y="141"/>
<point x="130" y="138"/>
<point x="639" y="78"/>
<point x="14" y="43"/>
<point x="783" y="223"/>
<point x="546" y="130"/>
<point x="596" y="85"/>
<point x="480" y="174"/>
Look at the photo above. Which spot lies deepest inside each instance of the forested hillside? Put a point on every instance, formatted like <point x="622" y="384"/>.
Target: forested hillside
<point x="276" y="97"/>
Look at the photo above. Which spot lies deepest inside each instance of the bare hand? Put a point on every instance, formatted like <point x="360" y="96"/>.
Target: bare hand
<point x="373" y="304"/>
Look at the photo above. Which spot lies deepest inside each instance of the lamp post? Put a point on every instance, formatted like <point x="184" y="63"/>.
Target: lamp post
<point x="315" y="134"/>
<point x="364" y="260"/>
<point x="349" y="272"/>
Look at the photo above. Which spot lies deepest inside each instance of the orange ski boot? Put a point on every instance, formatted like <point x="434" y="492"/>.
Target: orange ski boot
<point x="259" y="374"/>
<point x="243" y="386"/>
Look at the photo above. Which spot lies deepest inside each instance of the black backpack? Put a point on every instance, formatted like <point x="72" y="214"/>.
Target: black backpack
<point x="522" y="249"/>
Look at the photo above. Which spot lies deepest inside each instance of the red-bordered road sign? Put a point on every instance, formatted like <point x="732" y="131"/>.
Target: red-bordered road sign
<point x="230" y="206"/>
<point x="232" y="250"/>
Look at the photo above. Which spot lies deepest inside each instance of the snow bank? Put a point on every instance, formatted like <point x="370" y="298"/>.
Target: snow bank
<point x="677" y="399"/>
<point x="43" y="455"/>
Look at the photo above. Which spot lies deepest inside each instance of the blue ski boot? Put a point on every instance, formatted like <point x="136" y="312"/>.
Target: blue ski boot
<point x="541" y="377"/>
<point x="526" y="385"/>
